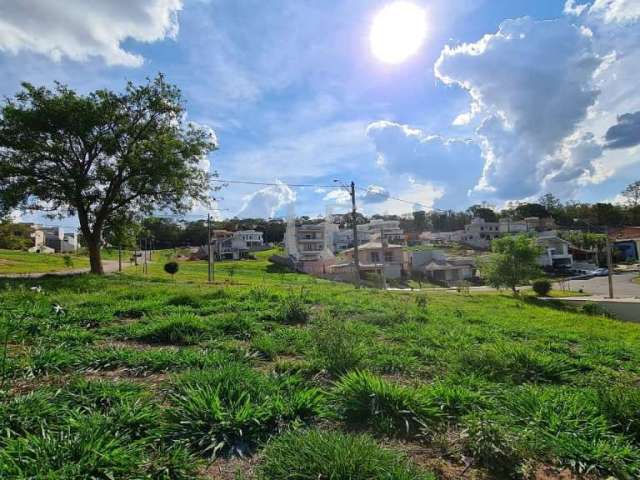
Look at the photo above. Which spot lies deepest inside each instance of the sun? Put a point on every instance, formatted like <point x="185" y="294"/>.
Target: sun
<point x="398" y="31"/>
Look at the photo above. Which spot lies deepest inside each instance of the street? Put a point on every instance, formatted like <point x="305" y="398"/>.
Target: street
<point x="623" y="286"/>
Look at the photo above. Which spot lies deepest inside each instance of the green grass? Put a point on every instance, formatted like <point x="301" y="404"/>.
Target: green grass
<point x="160" y="375"/>
<point x="16" y="261"/>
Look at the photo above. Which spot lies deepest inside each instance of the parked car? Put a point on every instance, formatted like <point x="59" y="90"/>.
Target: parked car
<point x="600" y="272"/>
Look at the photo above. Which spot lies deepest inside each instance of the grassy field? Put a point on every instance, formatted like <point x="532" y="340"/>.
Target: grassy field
<point x="275" y="375"/>
<point x="16" y="261"/>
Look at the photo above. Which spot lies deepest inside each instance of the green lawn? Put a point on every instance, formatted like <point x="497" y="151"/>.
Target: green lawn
<point x="16" y="261"/>
<point x="276" y="375"/>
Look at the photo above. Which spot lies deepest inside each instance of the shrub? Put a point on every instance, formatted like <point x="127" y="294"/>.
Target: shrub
<point x="293" y="310"/>
<point x="542" y="287"/>
<point x="492" y="444"/>
<point x="364" y="399"/>
<point x="171" y="268"/>
<point x="594" y="309"/>
<point x="337" y="346"/>
<point x="315" y="454"/>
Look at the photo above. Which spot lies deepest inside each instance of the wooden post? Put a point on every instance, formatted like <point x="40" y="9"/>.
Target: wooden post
<point x="609" y="265"/>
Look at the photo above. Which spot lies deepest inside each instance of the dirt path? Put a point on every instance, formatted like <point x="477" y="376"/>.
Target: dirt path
<point x="109" y="266"/>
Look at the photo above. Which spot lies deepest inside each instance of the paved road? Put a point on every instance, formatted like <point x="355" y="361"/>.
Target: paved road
<point x="623" y="287"/>
<point x="109" y="266"/>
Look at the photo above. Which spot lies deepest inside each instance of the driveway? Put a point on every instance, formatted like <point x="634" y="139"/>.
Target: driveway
<point x="623" y="286"/>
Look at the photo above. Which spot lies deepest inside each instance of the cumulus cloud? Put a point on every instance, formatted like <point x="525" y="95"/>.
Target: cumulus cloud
<point x="532" y="82"/>
<point x="267" y="201"/>
<point x="76" y="31"/>
<point x="625" y="133"/>
<point x="452" y="164"/>
<point x="338" y="196"/>
<point x="375" y="194"/>
<point x="621" y="11"/>
<point x="415" y="196"/>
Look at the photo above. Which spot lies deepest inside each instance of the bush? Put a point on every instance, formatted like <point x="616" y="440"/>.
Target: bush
<point x="364" y="399"/>
<point x="294" y="311"/>
<point x="594" y="309"/>
<point x="171" y="268"/>
<point x="315" y="454"/>
<point x="542" y="287"/>
<point x="337" y="347"/>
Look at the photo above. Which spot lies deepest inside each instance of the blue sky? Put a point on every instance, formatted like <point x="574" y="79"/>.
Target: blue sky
<point x="504" y="101"/>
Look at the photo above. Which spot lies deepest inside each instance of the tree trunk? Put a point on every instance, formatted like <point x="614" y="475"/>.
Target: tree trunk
<point x="94" y="255"/>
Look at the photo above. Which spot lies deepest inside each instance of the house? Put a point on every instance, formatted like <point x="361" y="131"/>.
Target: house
<point x="529" y="224"/>
<point x="55" y="239"/>
<point x="226" y="246"/>
<point x="310" y="246"/>
<point x="479" y="233"/>
<point x="252" y="239"/>
<point x="391" y="230"/>
<point x="450" y="272"/>
<point x="436" y="266"/>
<point x="626" y="243"/>
<point x="373" y="258"/>
<point x="556" y="251"/>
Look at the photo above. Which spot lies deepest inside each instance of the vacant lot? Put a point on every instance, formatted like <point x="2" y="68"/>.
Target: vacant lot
<point x="275" y="375"/>
<point x="16" y="261"/>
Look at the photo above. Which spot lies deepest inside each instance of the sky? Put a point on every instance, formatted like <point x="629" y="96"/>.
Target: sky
<point x="503" y="100"/>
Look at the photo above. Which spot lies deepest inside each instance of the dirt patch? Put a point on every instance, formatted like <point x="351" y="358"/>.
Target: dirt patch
<point x="111" y="343"/>
<point x="231" y="468"/>
<point x="154" y="380"/>
<point x="547" y="472"/>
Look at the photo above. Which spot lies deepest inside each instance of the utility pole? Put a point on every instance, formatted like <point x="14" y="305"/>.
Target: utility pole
<point x="356" y="257"/>
<point x="210" y="256"/>
<point x="382" y="251"/>
<point x="609" y="264"/>
<point x="145" y="266"/>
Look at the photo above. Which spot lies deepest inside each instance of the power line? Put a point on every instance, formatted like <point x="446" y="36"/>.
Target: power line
<point x="300" y="185"/>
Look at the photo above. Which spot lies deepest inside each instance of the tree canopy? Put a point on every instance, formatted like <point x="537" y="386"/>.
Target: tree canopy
<point x="102" y="155"/>
<point x="513" y="261"/>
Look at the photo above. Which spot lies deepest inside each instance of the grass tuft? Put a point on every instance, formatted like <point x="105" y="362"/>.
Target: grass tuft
<point x="310" y="455"/>
<point x="364" y="399"/>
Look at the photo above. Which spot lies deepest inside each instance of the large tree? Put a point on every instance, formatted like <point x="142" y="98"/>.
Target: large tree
<point x="102" y="155"/>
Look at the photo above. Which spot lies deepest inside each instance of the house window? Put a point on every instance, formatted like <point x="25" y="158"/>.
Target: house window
<point x="375" y="257"/>
<point x="388" y="256"/>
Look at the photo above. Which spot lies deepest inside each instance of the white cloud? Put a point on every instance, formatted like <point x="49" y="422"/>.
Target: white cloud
<point x="452" y="164"/>
<point x="79" y="31"/>
<point x="338" y="196"/>
<point x="267" y="201"/>
<point x="375" y="194"/>
<point x="621" y="11"/>
<point x="416" y="196"/>
<point x="533" y="84"/>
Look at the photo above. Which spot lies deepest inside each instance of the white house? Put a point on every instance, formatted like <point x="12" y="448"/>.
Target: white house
<point x="252" y="239"/>
<point x="310" y="246"/>
<point x="480" y="233"/>
<point x="556" y="251"/>
<point x="373" y="258"/>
